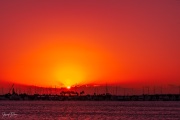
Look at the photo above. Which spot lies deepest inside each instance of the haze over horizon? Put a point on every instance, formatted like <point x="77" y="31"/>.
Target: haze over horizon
<point x="67" y="42"/>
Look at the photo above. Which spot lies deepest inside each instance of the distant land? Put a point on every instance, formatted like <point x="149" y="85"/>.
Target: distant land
<point x="90" y="93"/>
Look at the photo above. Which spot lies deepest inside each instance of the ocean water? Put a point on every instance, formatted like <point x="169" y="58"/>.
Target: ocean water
<point x="89" y="110"/>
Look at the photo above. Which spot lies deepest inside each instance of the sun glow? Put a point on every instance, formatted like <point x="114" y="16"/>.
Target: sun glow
<point x="68" y="87"/>
<point x="69" y="74"/>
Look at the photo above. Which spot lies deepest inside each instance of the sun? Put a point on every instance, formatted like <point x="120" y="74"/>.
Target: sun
<point x="68" y="87"/>
<point x="69" y="74"/>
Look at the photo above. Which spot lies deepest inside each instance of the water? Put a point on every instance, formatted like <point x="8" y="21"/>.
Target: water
<point x="89" y="110"/>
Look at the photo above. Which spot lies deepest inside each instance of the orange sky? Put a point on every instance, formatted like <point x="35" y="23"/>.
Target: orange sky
<point x="68" y="42"/>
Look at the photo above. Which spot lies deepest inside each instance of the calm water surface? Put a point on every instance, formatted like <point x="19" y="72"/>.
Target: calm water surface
<point x="89" y="110"/>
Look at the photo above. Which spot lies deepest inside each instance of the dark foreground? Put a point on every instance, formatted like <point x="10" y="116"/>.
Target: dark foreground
<point x="100" y="97"/>
<point x="90" y="110"/>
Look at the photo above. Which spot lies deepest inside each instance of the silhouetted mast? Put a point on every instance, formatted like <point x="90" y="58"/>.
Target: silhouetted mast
<point x="124" y="91"/>
<point x="30" y="91"/>
<point x="146" y="90"/>
<point x="154" y="90"/>
<point x="106" y="89"/>
<point x="116" y="90"/>
<point x="50" y="90"/>
<point x="76" y="87"/>
<point x="97" y="91"/>
<point x="94" y="89"/>
<point x="11" y="89"/>
<point x="2" y="91"/>
<point x="132" y="91"/>
<point x="55" y="91"/>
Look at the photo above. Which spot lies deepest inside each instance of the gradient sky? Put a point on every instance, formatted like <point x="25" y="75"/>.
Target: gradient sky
<point x="68" y="42"/>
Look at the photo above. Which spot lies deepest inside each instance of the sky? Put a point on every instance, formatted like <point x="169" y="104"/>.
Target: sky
<point x="69" y="42"/>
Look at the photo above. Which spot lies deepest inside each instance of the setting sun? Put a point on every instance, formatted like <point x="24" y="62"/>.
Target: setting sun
<point x="71" y="43"/>
<point x="68" y="87"/>
<point x="80" y="59"/>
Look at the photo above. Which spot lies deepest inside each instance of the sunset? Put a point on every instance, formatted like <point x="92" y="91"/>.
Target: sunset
<point x="48" y="43"/>
<point x="75" y="45"/>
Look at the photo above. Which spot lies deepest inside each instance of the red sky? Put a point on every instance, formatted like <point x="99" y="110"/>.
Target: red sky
<point x="68" y="42"/>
